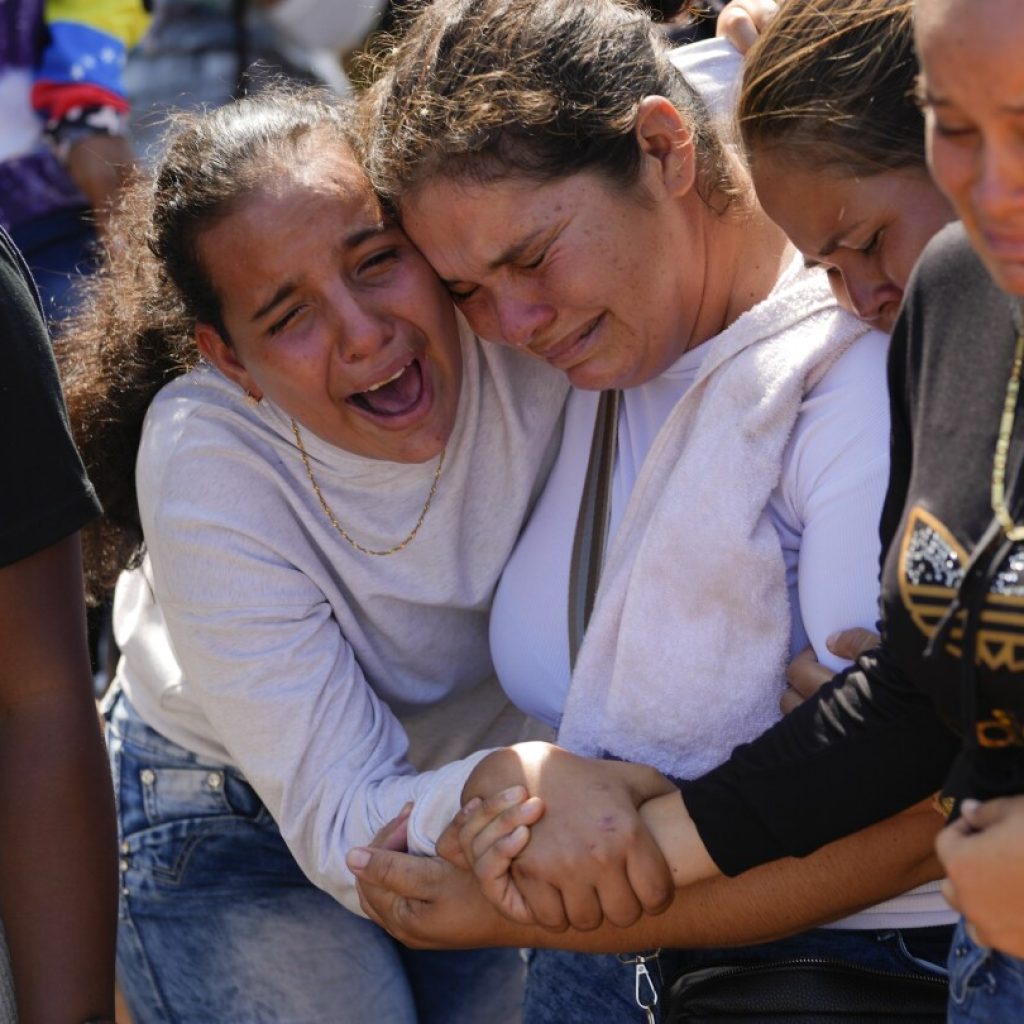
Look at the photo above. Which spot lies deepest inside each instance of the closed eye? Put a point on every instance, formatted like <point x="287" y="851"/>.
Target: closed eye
<point x="283" y="322"/>
<point x="460" y="295"/>
<point x="873" y="242"/>
<point x="948" y="131"/>
<point x="379" y="259"/>
<point x="535" y="263"/>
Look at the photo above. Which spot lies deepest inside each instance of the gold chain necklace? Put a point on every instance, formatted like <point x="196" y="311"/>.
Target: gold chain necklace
<point x="341" y="529"/>
<point x="1002" y="513"/>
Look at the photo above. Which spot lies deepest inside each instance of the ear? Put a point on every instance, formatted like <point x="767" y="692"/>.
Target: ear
<point x="664" y="135"/>
<point x="217" y="351"/>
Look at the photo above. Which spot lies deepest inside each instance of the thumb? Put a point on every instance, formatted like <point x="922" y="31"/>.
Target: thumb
<point x="982" y="815"/>
<point x="399" y="873"/>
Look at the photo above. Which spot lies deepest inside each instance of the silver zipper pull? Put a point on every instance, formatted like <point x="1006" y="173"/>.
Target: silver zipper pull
<point x="645" y="992"/>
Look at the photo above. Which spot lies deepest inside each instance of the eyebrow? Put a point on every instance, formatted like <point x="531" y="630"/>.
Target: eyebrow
<point x="517" y="250"/>
<point x="348" y="242"/>
<point x="832" y="244"/>
<point x="931" y="100"/>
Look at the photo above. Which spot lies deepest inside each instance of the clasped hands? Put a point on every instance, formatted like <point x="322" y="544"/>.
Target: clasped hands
<point x="548" y="840"/>
<point x="545" y="838"/>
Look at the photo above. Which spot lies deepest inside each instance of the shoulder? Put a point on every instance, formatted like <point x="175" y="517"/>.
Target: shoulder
<point x="858" y="373"/>
<point x="842" y="432"/>
<point x="948" y="259"/>
<point x="47" y="494"/>
<point x="203" y="447"/>
<point x="20" y="305"/>
<point x="954" y="315"/>
<point x="950" y="285"/>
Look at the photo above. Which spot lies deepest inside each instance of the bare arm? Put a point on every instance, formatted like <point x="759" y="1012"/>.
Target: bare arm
<point x="58" y="879"/>
<point x="430" y="903"/>
<point x="99" y="165"/>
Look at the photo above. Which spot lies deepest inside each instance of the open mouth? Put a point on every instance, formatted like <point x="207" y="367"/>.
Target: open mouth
<point x="396" y="396"/>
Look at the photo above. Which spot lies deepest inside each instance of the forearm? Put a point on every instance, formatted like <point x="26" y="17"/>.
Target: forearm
<point x="785" y="896"/>
<point x="428" y="903"/>
<point x="58" y="878"/>
<point x="58" y="858"/>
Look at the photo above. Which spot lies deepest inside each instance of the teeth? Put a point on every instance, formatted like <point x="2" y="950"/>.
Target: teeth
<point x="395" y="376"/>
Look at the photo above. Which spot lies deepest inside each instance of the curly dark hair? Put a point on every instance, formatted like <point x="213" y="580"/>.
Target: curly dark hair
<point x="135" y="330"/>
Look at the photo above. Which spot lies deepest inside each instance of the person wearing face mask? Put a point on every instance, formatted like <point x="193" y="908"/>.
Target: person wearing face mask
<point x="329" y="477"/>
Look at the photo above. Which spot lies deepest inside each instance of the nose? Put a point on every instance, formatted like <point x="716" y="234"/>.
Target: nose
<point x="360" y="328"/>
<point x="521" y="317"/>
<point x="870" y="299"/>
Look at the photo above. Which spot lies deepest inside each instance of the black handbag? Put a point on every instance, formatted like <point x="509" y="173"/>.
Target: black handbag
<point x="805" y="991"/>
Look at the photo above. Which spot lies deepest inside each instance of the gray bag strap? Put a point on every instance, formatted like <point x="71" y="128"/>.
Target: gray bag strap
<point x="592" y="522"/>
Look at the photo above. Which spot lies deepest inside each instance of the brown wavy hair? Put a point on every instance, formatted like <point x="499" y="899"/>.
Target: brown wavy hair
<point x="135" y="331"/>
<point x="830" y="85"/>
<point x="485" y="89"/>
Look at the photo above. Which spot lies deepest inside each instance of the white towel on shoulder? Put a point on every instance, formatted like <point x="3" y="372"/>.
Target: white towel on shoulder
<point x="685" y="654"/>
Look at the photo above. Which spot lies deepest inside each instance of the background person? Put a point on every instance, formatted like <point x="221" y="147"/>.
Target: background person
<point x="57" y="862"/>
<point x="203" y="53"/>
<point x="63" y="151"/>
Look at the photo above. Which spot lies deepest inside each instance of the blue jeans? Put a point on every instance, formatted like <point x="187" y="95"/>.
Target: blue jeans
<point x="985" y="986"/>
<point x="583" y="988"/>
<point x="218" y="924"/>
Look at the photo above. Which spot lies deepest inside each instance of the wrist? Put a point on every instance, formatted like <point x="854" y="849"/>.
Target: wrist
<point x="498" y="770"/>
<point x="676" y="834"/>
<point x="645" y="783"/>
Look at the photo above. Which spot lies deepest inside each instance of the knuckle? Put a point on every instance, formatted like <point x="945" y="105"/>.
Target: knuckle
<point x="587" y="921"/>
<point x="381" y="869"/>
<point x="623" y="915"/>
<point x="553" y="924"/>
<point x="658" y="898"/>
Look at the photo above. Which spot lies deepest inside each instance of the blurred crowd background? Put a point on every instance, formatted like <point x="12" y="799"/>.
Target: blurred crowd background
<point x="86" y="87"/>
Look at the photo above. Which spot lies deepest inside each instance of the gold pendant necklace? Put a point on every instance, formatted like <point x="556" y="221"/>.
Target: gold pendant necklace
<point x="341" y="529"/>
<point x="1002" y="513"/>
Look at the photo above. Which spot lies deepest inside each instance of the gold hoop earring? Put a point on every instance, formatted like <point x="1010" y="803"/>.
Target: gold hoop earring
<point x="252" y="400"/>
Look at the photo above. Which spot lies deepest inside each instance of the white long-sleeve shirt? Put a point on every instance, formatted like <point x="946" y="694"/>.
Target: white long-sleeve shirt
<point x="255" y="635"/>
<point x="825" y="510"/>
